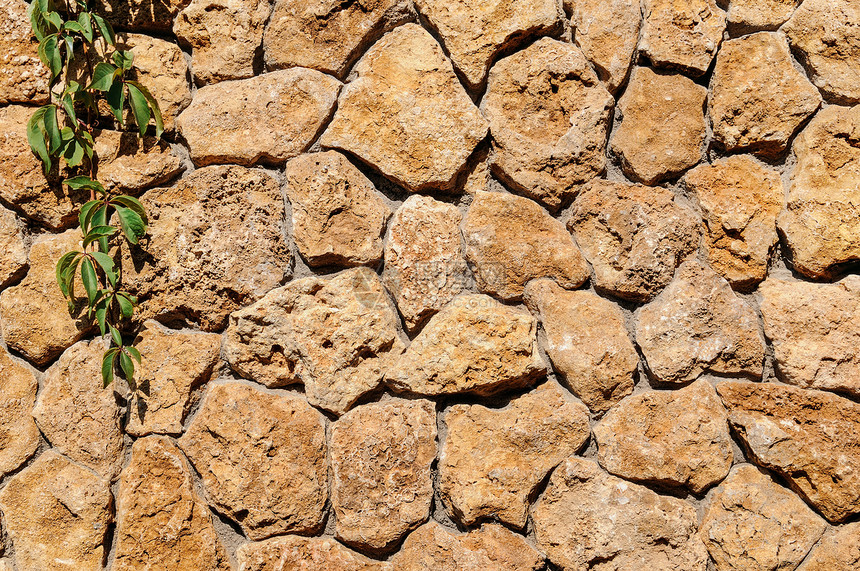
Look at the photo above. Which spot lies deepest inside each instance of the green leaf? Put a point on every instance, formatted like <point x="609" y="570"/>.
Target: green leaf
<point x="116" y="100"/>
<point x="106" y="262"/>
<point x="36" y="136"/>
<point x="84" y="214"/>
<point x="103" y="76"/>
<point x="70" y="49"/>
<point x="131" y="203"/>
<point x="52" y="129"/>
<point x="88" y="276"/>
<point x="54" y="19"/>
<point x="63" y="264"/>
<point x="73" y="26"/>
<point x="133" y="352"/>
<point x="101" y="315"/>
<point x="107" y="365"/>
<point x="105" y="29"/>
<point x="139" y="107"/>
<point x="132" y="225"/>
<point x="36" y="11"/>
<point x="95" y="216"/>
<point x="127" y="366"/>
<point x="74" y="153"/>
<point x="123" y="59"/>
<point x="67" y="280"/>
<point x="153" y="105"/>
<point x="49" y="53"/>
<point x="114" y="333"/>
<point x="84" y="183"/>
<point x="86" y="25"/>
<point x="97" y="233"/>
<point x="69" y="107"/>
<point x="126" y="307"/>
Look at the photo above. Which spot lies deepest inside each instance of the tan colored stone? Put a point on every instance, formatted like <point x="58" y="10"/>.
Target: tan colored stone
<point x="587" y="342"/>
<point x="130" y="163"/>
<point x="821" y="222"/>
<point x="838" y="550"/>
<point x="13" y="249"/>
<point x="262" y="459"/>
<point x="810" y="438"/>
<point x="19" y="435"/>
<point x="473" y="345"/>
<point x="406" y="114"/>
<point x="380" y="457"/>
<point x="23" y="78"/>
<point x="752" y="523"/>
<point x="745" y="16"/>
<point x="675" y="438"/>
<point x="587" y="519"/>
<point x="216" y="242"/>
<point x="338" y="216"/>
<point x="740" y="200"/>
<point x="697" y="325"/>
<point x="634" y="236"/>
<point x="758" y="99"/>
<point x="337" y="336"/>
<point x="663" y="128"/>
<point x="511" y="240"/>
<point x="142" y="15"/>
<point x="683" y="35"/>
<point x="174" y="363"/>
<point x="607" y="33"/>
<point x="549" y="115"/>
<point x="492" y="460"/>
<point x="269" y="118"/>
<point x="162" y="522"/>
<point x="425" y="267"/>
<point x="303" y="554"/>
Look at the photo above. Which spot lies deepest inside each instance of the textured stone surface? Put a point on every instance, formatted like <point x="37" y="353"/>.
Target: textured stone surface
<point x="473" y="345"/>
<point x="492" y="460"/>
<point x="746" y="16"/>
<point x="13" y="249"/>
<point x="740" y="200"/>
<point x="262" y="459"/>
<point x="810" y="438"/>
<point x="380" y="458"/>
<point x="338" y="217"/>
<point x="634" y="236"/>
<point x="758" y="99"/>
<point x="269" y="118"/>
<point x="696" y="325"/>
<point x="821" y="222"/>
<point x="587" y="519"/>
<point x="57" y="515"/>
<point x="19" y="435"/>
<point x="130" y="163"/>
<point x="838" y="550"/>
<point x="142" y="15"/>
<point x="337" y="336"/>
<point x="162" y="523"/>
<point x="683" y="35"/>
<point x="752" y="523"/>
<point x="303" y="554"/>
<point x="406" y="114"/>
<point x="587" y="342"/>
<point x="607" y="33"/>
<point x="675" y="438"/>
<point x="23" y="78"/>
<point x="511" y="240"/>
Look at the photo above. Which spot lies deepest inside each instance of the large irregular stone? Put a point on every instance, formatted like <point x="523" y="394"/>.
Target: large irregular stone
<point x="23" y="78"/>
<point x="634" y="236"/>
<point x="587" y="519"/>
<point x="675" y="438"/>
<point x="663" y="126"/>
<point x="810" y="438"/>
<point x="262" y="459"/>
<point x="130" y="163"/>
<point x="754" y="524"/>
<point x="821" y="222"/>
<point x="303" y="554"/>
<point x="682" y="35"/>
<point x="142" y="15"/>
<point x="216" y="242"/>
<point x="338" y="217"/>
<point x="13" y="249"/>
<point x="19" y="435"/>
<point x="826" y="33"/>
<point x="697" y="325"/>
<point x="57" y="515"/>
<point x="838" y="550"/>
<point x="745" y="16"/>
<point x="740" y="200"/>
<point x="473" y="345"/>
<point x="587" y="342"/>
<point x="337" y="336"/>
<point x="511" y="240"/>
<point x="269" y="118"/>
<point x="162" y="522"/>
<point x="607" y="33"/>
<point x="758" y="99"/>
<point x="406" y="114"/>
<point x="380" y="457"/>
<point x="492" y="460"/>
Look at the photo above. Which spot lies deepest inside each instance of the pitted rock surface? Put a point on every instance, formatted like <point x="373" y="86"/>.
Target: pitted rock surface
<point x="23" y="77"/>
<point x="607" y="33"/>
<point x="13" y="249"/>
<point x="19" y="435"/>
<point x="304" y="554"/>
<point x="745" y="16"/>
<point x="838" y="550"/>
<point x="682" y="35"/>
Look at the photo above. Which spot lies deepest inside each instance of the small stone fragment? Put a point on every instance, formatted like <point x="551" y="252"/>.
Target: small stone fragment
<point x="838" y="550"/>
<point x="406" y="114"/>
<point x="753" y="523"/>
<point x="23" y="78"/>
<point x="338" y="217"/>
<point x="262" y="459"/>
<point x="13" y="249"/>
<point x="607" y="33"/>
<point x="747" y="16"/>
<point x="304" y="554"/>
<point x="511" y="240"/>
<point x="132" y="163"/>
<point x="142" y="15"/>
<point x="682" y="35"/>
<point x="19" y="435"/>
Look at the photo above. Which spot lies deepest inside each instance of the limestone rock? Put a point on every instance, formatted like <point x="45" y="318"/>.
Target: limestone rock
<point x="380" y="457"/>
<point x="13" y="249"/>
<point x="406" y="114"/>
<point x="130" y="163"/>
<point x="745" y="16"/>
<point x="511" y="240"/>
<point x="663" y="126"/>
<point x="587" y="342"/>
<point x="492" y="460"/>
<point x="337" y="336"/>
<point x="216" y="242"/>
<point x="142" y="15"/>
<point x="753" y="523"/>
<point x="838" y="550"/>
<point x="586" y="518"/>
<point x="740" y="200"/>
<point x="262" y="459"/>
<point x="425" y="267"/>
<point x="162" y="522"/>
<point x="682" y="35"/>
<point x="634" y="236"/>
<point x="676" y="438"/>
<point x="303" y="554"/>
<point x="811" y="438"/>
<point x="19" y="435"/>
<point x="821" y="223"/>
<point x="758" y="99"/>
<point x="269" y="118"/>
<point x="696" y="325"/>
<point x="473" y="345"/>
<point x="338" y="217"/>
<point x="607" y="33"/>
<point x="23" y="78"/>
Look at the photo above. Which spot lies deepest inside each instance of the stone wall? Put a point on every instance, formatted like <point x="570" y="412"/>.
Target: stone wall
<point x="451" y="285"/>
